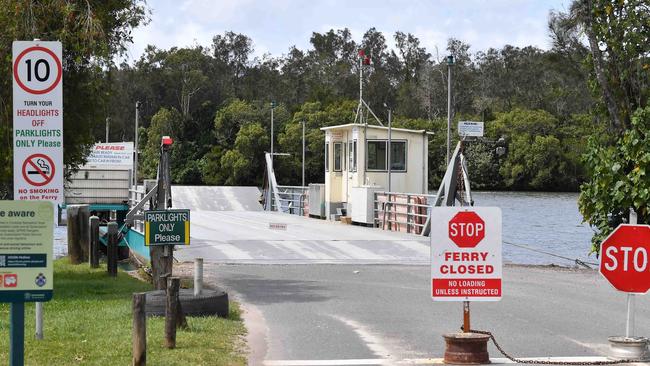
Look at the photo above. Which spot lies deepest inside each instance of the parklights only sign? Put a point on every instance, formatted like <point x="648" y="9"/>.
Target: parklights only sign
<point x="466" y="261"/>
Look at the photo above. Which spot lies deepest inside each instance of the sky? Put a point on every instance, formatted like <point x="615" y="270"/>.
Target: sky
<point x="276" y="25"/>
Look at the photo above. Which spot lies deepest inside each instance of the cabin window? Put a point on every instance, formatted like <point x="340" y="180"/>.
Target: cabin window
<point x="377" y="155"/>
<point x="327" y="156"/>
<point x="398" y="156"/>
<point x="338" y="156"/>
<point x="352" y="152"/>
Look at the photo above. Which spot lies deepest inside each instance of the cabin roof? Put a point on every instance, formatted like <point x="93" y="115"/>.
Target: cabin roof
<point x="371" y="127"/>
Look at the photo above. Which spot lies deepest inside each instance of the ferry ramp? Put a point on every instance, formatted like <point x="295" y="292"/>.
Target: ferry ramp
<point x="228" y="225"/>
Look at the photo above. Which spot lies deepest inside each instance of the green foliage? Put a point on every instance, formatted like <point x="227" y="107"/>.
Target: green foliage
<point x="167" y="122"/>
<point x="92" y="33"/>
<point x="618" y="179"/>
<point x="244" y="163"/>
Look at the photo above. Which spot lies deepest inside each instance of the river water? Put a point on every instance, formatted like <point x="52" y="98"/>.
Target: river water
<point x="548" y="222"/>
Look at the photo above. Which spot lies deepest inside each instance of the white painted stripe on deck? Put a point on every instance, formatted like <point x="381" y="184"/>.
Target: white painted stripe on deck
<point x="304" y="249"/>
<point x="232" y="199"/>
<point x="422" y="361"/>
<point x="354" y="252"/>
<point x="232" y="252"/>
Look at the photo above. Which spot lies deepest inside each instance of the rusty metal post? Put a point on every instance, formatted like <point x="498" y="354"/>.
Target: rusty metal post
<point x="466" y="325"/>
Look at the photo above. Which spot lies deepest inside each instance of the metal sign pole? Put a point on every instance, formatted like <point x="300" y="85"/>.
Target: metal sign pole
<point x="17" y="334"/>
<point x="466" y="325"/>
<point x="629" y="324"/>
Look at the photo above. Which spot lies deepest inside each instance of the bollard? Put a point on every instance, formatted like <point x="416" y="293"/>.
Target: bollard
<point x="198" y="276"/>
<point x="84" y="229"/>
<point x="94" y="242"/>
<point x="171" y="312"/>
<point x="74" y="252"/>
<point x="39" y="320"/>
<point x="112" y="249"/>
<point x="139" y="329"/>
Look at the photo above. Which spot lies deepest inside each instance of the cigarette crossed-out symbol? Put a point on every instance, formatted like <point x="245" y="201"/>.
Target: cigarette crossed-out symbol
<point x="38" y="169"/>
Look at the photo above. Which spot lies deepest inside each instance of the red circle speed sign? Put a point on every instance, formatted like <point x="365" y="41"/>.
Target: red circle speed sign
<point x="625" y="257"/>
<point x="44" y="79"/>
<point x="466" y="229"/>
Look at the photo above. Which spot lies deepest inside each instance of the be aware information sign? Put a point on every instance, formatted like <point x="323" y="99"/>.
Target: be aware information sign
<point x="26" y="246"/>
<point x="466" y="260"/>
<point x="167" y="227"/>
<point x="38" y="121"/>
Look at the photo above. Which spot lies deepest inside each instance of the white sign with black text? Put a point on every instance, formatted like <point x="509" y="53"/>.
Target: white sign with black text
<point x="38" y="121"/>
<point x="470" y="129"/>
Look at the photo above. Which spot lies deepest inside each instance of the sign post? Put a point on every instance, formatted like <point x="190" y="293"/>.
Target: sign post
<point x="38" y="121"/>
<point x="26" y="260"/>
<point x="625" y="264"/>
<point x="466" y="265"/>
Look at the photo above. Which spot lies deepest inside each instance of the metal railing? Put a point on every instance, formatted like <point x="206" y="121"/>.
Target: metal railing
<point x="293" y="200"/>
<point x="136" y="195"/>
<point x="406" y="212"/>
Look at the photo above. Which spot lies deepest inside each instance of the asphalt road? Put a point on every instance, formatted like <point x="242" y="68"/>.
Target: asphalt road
<point x="356" y="312"/>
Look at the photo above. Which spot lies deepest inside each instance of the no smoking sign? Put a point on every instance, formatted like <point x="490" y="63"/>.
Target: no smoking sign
<point x="466" y="258"/>
<point x="38" y="170"/>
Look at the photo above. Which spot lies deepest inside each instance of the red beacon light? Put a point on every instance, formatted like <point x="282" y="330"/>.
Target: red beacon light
<point x="167" y="141"/>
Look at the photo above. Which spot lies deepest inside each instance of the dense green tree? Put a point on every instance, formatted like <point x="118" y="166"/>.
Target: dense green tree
<point x="92" y="33"/>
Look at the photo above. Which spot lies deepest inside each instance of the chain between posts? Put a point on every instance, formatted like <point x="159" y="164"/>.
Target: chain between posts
<point x="540" y="362"/>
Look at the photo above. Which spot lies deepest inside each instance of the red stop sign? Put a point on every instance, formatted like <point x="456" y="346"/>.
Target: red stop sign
<point x="466" y="229"/>
<point x="625" y="258"/>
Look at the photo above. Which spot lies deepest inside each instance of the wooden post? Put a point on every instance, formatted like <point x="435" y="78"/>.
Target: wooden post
<point x="94" y="242"/>
<point x="171" y="312"/>
<point x="74" y="251"/>
<point x="139" y="329"/>
<point x="112" y="249"/>
<point x="162" y="255"/>
<point x="84" y="229"/>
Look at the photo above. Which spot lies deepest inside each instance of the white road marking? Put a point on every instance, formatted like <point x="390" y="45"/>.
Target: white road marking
<point x="422" y="361"/>
<point x="601" y="348"/>
<point x="372" y="341"/>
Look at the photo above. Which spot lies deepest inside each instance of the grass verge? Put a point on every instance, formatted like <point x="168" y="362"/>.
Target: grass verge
<point x="88" y="322"/>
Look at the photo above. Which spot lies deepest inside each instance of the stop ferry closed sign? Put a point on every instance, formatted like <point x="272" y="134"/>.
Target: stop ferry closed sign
<point x="466" y="260"/>
<point x="625" y="256"/>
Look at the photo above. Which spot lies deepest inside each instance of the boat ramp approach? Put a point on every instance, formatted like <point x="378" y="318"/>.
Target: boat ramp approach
<point x="229" y="226"/>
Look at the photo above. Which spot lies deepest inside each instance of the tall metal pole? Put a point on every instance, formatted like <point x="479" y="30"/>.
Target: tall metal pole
<point x="449" y="107"/>
<point x="303" y="153"/>
<point x="272" y="106"/>
<point x="629" y="324"/>
<point x="390" y="132"/>
<point x="135" y="145"/>
<point x="108" y="123"/>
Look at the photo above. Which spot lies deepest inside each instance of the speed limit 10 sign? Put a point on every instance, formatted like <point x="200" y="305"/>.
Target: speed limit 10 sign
<point x="38" y="121"/>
